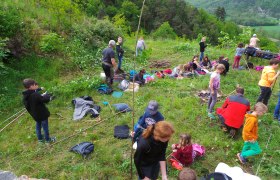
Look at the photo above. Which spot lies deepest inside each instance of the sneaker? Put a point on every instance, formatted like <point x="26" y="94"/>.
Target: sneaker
<point x="232" y="132"/>
<point x="52" y="139"/>
<point x="40" y="142"/>
<point x="211" y="116"/>
<point x="177" y="165"/>
<point x="241" y="159"/>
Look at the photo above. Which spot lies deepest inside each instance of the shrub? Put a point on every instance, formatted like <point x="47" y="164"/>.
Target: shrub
<point x="51" y="43"/>
<point x="9" y="22"/>
<point x="164" y="31"/>
<point x="3" y="48"/>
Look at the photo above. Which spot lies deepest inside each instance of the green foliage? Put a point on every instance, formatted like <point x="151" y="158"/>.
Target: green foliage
<point x="220" y="13"/>
<point x="10" y="21"/>
<point x="267" y="44"/>
<point x="3" y="48"/>
<point x="120" y="22"/>
<point x="80" y="84"/>
<point x="225" y="41"/>
<point x="165" y="31"/>
<point x="94" y="33"/>
<point x="51" y="43"/>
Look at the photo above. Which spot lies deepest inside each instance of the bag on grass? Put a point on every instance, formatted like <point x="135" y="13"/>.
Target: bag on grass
<point x="217" y="176"/>
<point x="84" y="148"/>
<point x="104" y="89"/>
<point x="122" y="107"/>
<point x="121" y="132"/>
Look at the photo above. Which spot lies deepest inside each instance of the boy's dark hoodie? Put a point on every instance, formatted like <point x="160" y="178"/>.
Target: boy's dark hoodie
<point x="35" y="104"/>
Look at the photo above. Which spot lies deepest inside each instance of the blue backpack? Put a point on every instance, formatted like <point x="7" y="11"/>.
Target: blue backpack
<point x="84" y="148"/>
<point x="104" y="89"/>
<point x="132" y="73"/>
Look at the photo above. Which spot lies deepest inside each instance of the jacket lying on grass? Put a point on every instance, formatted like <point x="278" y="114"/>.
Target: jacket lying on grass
<point x="84" y="107"/>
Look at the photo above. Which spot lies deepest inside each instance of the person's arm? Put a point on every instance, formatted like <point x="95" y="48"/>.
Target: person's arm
<point x="211" y="85"/>
<point x="272" y="76"/>
<point x="163" y="170"/>
<point x="225" y="103"/>
<point x="118" y="48"/>
<point x="42" y="98"/>
<point x="112" y="56"/>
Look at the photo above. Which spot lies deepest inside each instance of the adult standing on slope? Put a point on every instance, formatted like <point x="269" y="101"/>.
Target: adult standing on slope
<point x="120" y="52"/>
<point x="202" y="48"/>
<point x="108" y="62"/>
<point x="253" y="41"/>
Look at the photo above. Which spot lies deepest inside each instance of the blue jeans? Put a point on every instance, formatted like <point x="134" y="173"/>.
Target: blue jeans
<point x="201" y="56"/>
<point x="277" y="109"/>
<point x="45" y="125"/>
<point x="212" y="100"/>
<point x="139" y="51"/>
<point x="120" y="58"/>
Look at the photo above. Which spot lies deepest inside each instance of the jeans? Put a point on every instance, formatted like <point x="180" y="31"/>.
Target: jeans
<point x="277" y="109"/>
<point x="201" y="56"/>
<point x="265" y="95"/>
<point x="109" y="72"/>
<point x="139" y="51"/>
<point x="120" y="58"/>
<point x="212" y="100"/>
<point x="45" y="125"/>
<point x="250" y="149"/>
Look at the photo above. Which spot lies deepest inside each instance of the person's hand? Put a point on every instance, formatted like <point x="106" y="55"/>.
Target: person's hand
<point x="132" y="133"/>
<point x="173" y="146"/>
<point x="212" y="92"/>
<point x="278" y="73"/>
<point x="174" y="150"/>
<point x="146" y="178"/>
<point x="164" y="178"/>
<point x="43" y="88"/>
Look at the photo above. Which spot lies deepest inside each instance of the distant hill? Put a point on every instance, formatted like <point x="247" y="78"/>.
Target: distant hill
<point x="249" y="12"/>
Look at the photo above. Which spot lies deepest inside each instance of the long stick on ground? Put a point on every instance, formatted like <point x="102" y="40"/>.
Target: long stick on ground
<point x="68" y="137"/>
<point x="13" y="116"/>
<point x="13" y="121"/>
<point x="263" y="154"/>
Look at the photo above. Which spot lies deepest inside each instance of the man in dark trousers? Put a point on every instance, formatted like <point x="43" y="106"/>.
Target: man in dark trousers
<point x="202" y="48"/>
<point x="109" y="62"/>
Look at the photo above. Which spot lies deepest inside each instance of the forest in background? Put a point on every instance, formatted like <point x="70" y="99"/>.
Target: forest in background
<point x="248" y="13"/>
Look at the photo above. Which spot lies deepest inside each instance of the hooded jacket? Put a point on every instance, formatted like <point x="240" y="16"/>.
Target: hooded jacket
<point x="267" y="76"/>
<point x="250" y="130"/>
<point x="35" y="104"/>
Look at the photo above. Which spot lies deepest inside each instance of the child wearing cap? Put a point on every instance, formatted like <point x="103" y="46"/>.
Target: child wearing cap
<point x="34" y="103"/>
<point x="150" y="117"/>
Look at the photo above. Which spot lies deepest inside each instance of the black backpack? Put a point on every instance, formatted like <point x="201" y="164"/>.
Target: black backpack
<point x="121" y="132"/>
<point x="84" y="148"/>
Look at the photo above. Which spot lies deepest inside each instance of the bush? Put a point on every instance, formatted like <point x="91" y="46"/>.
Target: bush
<point x="164" y="31"/>
<point x="51" y="43"/>
<point x="3" y="48"/>
<point x="9" y="22"/>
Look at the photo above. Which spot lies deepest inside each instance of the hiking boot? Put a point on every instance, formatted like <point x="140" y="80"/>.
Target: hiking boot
<point x="224" y="129"/>
<point x="232" y="133"/>
<point x="211" y="116"/>
<point x="52" y="140"/>
<point x="241" y="158"/>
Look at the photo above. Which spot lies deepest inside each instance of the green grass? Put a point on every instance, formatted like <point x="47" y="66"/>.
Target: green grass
<point x="111" y="159"/>
<point x="270" y="31"/>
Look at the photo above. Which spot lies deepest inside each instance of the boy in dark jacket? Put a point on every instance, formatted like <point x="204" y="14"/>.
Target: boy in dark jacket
<point x="35" y="105"/>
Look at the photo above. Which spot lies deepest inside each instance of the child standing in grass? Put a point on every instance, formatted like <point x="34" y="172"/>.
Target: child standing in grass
<point x="35" y="105"/>
<point x="250" y="133"/>
<point x="214" y="86"/>
<point x="239" y="51"/>
<point x="182" y="153"/>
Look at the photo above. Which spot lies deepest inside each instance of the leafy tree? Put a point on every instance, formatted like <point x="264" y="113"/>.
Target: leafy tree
<point x="165" y="31"/>
<point x="220" y="13"/>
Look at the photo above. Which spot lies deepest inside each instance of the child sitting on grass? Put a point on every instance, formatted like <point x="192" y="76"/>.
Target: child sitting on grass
<point x="35" y="105"/>
<point x="183" y="154"/>
<point x="250" y="133"/>
<point x="214" y="86"/>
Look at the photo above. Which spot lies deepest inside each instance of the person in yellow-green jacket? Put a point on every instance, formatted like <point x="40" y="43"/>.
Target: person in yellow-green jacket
<point x="268" y="78"/>
<point x="250" y="133"/>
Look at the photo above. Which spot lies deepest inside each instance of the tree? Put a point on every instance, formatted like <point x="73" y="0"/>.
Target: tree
<point x="220" y="13"/>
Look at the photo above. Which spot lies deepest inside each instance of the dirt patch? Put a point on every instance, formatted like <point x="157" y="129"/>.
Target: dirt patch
<point x="205" y="94"/>
<point x="160" y="64"/>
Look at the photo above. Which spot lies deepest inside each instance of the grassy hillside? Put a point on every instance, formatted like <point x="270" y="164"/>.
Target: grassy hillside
<point x="111" y="159"/>
<point x="252" y="13"/>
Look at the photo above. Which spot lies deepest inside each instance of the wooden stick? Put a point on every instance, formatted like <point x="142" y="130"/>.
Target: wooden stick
<point x="13" y="121"/>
